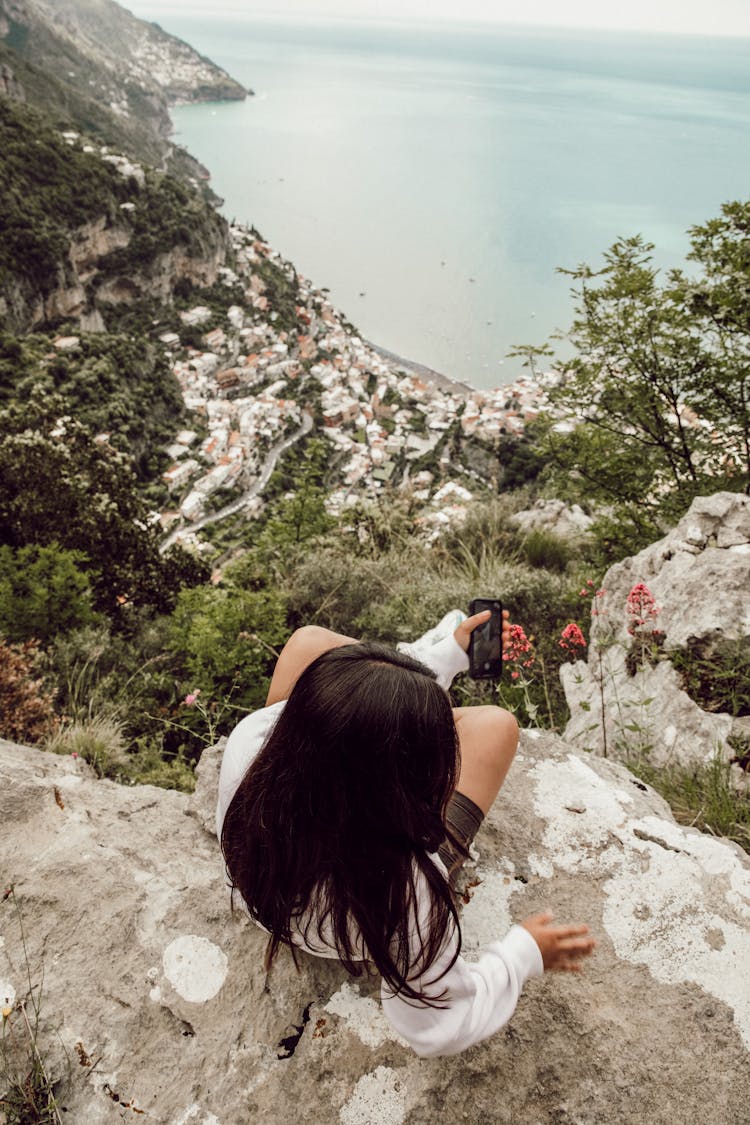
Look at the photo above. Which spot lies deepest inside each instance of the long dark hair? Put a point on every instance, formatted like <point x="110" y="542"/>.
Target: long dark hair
<point x="340" y="808"/>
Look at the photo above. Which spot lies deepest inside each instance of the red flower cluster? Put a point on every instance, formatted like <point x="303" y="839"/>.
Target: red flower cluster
<point x="642" y="609"/>
<point x="572" y="639"/>
<point x="519" y="650"/>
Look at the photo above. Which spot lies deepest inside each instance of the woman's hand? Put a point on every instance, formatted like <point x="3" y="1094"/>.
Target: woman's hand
<point x="467" y="627"/>
<point x="561" y="947"/>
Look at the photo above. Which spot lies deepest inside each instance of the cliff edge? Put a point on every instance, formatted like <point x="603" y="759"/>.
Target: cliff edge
<point x="156" y="1005"/>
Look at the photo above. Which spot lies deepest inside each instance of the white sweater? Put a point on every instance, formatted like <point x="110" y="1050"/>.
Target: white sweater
<point x="479" y="996"/>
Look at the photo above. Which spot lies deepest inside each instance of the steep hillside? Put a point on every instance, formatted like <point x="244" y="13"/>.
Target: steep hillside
<point x="83" y="228"/>
<point x="95" y="66"/>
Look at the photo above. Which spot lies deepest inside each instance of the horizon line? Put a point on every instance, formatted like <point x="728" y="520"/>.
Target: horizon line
<point x="270" y="15"/>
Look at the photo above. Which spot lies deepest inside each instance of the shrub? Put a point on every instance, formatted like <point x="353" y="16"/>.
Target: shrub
<point x="716" y="674"/>
<point x="545" y="549"/>
<point x="26" y="703"/>
<point x="100" y="741"/>
<point x="228" y="639"/>
<point x="43" y="591"/>
<point x="27" y="1094"/>
<point x="704" y="796"/>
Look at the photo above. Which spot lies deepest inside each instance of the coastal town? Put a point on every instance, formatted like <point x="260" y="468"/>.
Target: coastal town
<point x="263" y="358"/>
<point x="251" y="382"/>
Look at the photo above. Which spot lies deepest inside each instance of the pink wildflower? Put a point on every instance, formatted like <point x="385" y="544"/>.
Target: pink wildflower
<point x="572" y="638"/>
<point x="74" y="754"/>
<point x="191" y="697"/>
<point x="519" y="649"/>
<point x="514" y="675"/>
<point x="642" y="608"/>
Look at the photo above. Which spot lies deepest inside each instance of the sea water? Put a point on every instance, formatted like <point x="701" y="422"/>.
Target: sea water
<point x="435" y="177"/>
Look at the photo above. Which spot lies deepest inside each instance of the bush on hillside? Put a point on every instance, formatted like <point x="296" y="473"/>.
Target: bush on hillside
<point x="58" y="485"/>
<point x="26" y="702"/>
<point x="111" y="384"/>
<point x="43" y="591"/>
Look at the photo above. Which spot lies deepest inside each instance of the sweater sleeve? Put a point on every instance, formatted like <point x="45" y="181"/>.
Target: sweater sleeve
<point x="479" y="997"/>
<point x="446" y="658"/>
<point x="243" y="746"/>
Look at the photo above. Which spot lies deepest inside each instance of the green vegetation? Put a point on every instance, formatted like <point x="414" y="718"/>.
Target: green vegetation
<point x="659" y="384"/>
<point x="703" y="796"/>
<point x="167" y="215"/>
<point x="47" y="189"/>
<point x="281" y="291"/>
<point x="60" y="486"/>
<point x="119" y="385"/>
<point x="26" y="1086"/>
<point x="43" y="591"/>
<point x="716" y="674"/>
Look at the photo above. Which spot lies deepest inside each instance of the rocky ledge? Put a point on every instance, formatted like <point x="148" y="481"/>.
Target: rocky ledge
<point x="156" y="1005"/>
<point x="628" y="697"/>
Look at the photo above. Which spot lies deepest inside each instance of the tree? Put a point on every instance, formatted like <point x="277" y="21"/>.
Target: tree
<point x="719" y="299"/>
<point x="301" y="514"/>
<point x="112" y="383"/>
<point x="59" y="485"/>
<point x="43" y="591"/>
<point x="654" y="402"/>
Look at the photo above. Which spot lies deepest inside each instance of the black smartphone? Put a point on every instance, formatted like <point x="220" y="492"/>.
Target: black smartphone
<point x="486" y="647"/>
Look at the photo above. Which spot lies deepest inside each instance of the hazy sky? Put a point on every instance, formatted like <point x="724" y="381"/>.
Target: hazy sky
<point x="720" y="17"/>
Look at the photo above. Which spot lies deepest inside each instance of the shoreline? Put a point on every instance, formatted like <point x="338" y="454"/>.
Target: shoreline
<point x="444" y="382"/>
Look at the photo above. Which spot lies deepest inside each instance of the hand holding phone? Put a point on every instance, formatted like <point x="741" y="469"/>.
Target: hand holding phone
<point x="486" y="642"/>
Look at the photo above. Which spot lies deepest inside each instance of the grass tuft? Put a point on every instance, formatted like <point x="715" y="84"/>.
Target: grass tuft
<point x="703" y="796"/>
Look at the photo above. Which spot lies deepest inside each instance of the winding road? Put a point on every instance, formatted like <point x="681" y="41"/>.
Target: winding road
<point x="256" y="487"/>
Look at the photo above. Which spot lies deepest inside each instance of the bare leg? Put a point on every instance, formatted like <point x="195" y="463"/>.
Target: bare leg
<point x="488" y="737"/>
<point x="304" y="646"/>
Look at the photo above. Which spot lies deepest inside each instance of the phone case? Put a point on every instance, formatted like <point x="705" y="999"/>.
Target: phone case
<point x="486" y="647"/>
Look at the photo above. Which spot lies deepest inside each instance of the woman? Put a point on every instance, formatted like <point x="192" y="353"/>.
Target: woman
<point x="347" y="805"/>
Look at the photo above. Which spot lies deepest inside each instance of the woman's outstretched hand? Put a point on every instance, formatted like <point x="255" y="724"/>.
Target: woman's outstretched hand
<point x="561" y="947"/>
<point x="467" y="627"/>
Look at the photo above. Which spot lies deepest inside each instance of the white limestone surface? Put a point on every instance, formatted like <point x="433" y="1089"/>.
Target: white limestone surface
<point x="486" y="917"/>
<point x="379" y="1098"/>
<point x="7" y="994"/>
<point x="661" y="883"/>
<point x="195" y="967"/>
<point x="363" y="1015"/>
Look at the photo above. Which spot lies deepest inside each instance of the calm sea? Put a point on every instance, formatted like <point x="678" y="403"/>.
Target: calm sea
<point x="434" y="178"/>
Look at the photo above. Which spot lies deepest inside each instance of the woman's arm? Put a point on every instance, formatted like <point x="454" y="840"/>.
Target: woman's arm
<point x="479" y="998"/>
<point x="304" y="646"/>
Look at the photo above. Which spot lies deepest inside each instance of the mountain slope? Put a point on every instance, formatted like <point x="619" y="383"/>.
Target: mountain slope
<point x="107" y="72"/>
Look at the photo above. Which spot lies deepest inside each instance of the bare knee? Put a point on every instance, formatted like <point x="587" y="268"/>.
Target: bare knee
<point x="494" y="727"/>
<point x="488" y="738"/>
<point x="497" y="733"/>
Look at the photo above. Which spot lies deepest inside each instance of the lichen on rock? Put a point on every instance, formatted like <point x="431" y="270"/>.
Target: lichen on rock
<point x="147" y="968"/>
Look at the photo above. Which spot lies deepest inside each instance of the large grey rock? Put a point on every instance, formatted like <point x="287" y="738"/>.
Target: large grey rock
<point x="567" y="520"/>
<point x="157" y="1007"/>
<point x="699" y="575"/>
<point x="647" y="713"/>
